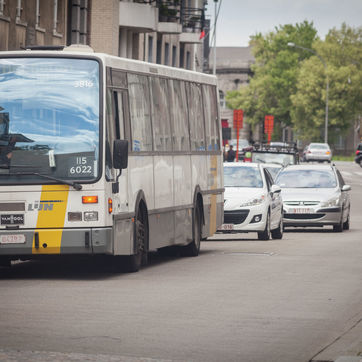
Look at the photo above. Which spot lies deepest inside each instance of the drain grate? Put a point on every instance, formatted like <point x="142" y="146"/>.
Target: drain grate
<point x="248" y="253"/>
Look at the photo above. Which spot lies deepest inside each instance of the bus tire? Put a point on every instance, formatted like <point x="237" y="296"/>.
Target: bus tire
<point x="193" y="248"/>
<point x="134" y="262"/>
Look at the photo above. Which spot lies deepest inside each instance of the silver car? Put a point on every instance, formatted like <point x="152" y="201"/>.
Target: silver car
<point x="318" y="152"/>
<point x="314" y="195"/>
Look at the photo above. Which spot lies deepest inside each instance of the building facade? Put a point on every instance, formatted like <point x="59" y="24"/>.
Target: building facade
<point x="233" y="70"/>
<point x="158" y="31"/>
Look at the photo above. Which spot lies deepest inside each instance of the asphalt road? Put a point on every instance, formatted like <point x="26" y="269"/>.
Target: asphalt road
<point x="295" y="299"/>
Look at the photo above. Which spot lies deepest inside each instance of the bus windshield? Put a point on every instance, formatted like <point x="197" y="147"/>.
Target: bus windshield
<point x="49" y="119"/>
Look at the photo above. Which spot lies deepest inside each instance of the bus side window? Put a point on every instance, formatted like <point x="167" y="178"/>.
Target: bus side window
<point x="215" y="124"/>
<point x="140" y="115"/>
<point x="211" y="118"/>
<point x="160" y="114"/>
<point x="110" y="133"/>
<point x="179" y="116"/>
<point x="197" y="128"/>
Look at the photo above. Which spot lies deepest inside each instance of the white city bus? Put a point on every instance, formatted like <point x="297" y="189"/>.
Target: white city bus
<point x="101" y="155"/>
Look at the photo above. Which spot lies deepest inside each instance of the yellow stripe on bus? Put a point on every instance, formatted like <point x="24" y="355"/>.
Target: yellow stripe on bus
<point x="214" y="168"/>
<point x="51" y="218"/>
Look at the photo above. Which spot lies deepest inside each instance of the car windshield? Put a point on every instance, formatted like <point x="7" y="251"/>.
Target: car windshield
<point x="49" y="119"/>
<point x="242" y="177"/>
<point x="283" y="159"/>
<point x="306" y="179"/>
<point x="242" y="143"/>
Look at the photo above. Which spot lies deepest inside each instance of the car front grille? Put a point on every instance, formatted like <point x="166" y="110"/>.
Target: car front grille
<point x="235" y="217"/>
<point x="301" y="203"/>
<point x="303" y="216"/>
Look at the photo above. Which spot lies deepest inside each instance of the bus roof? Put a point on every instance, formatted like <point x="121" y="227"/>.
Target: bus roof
<point x="117" y="62"/>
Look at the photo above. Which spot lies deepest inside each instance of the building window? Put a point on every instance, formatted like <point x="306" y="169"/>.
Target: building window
<point x="39" y="23"/>
<point x="159" y="51"/>
<point x="182" y="55"/>
<point x="2" y="7"/>
<point x="150" y="49"/>
<point x="167" y="53"/>
<point x="174" y="54"/>
<point x="19" y="11"/>
<point x="188" y="60"/>
<point x="37" y="14"/>
<point x="222" y="99"/>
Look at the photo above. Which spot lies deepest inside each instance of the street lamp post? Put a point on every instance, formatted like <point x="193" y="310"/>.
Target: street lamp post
<point x="327" y="85"/>
<point x="215" y="21"/>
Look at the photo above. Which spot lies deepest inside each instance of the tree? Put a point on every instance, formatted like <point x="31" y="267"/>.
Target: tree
<point x="275" y="74"/>
<point x="342" y="52"/>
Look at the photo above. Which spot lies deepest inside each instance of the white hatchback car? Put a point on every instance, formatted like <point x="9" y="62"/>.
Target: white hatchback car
<point x="252" y="201"/>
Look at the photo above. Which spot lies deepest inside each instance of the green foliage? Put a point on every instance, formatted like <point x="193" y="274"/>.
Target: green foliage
<point x="290" y="83"/>
<point x="275" y="74"/>
<point x="342" y="53"/>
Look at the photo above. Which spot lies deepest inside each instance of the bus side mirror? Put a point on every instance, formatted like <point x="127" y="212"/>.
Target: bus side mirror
<point x="120" y="154"/>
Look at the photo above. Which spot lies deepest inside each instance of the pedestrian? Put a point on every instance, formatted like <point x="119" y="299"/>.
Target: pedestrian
<point x="231" y="155"/>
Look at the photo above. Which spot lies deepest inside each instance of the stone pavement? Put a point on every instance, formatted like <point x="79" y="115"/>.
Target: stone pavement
<point x="346" y="348"/>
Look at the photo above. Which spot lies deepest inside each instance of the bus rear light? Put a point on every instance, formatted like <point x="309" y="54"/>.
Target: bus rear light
<point x="110" y="206"/>
<point x="90" y="199"/>
<point x="74" y="216"/>
<point x="90" y="216"/>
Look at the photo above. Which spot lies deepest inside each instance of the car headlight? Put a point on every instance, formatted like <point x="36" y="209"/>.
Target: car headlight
<point x="254" y="202"/>
<point x="331" y="202"/>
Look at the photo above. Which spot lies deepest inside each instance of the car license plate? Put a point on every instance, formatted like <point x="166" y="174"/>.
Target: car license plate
<point x="302" y="210"/>
<point x="12" y="239"/>
<point x="227" y="227"/>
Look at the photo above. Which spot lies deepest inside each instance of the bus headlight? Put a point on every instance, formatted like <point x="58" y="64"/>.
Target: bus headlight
<point x="74" y="216"/>
<point x="90" y="216"/>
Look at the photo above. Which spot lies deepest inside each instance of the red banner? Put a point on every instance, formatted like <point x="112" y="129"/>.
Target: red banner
<point x="269" y="126"/>
<point x="238" y="118"/>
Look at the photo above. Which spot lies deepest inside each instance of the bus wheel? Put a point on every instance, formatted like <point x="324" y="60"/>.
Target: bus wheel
<point x="134" y="262"/>
<point x="193" y="248"/>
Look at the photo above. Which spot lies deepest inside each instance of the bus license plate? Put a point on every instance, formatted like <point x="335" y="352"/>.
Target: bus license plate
<point x="12" y="239"/>
<point x="227" y="227"/>
<point x="302" y="210"/>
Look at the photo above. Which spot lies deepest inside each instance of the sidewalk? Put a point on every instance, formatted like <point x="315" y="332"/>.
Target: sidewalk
<point x="346" y="348"/>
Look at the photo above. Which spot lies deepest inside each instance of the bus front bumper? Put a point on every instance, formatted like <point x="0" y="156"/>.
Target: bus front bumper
<point x="27" y="242"/>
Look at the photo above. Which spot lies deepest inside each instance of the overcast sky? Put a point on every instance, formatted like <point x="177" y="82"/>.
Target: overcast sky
<point x="239" y="19"/>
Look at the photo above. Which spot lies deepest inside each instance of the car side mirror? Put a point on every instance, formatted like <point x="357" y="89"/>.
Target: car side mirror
<point x="346" y="188"/>
<point x="275" y="189"/>
<point x="120" y="154"/>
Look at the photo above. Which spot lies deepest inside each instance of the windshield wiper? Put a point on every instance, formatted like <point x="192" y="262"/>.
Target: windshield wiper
<point x="260" y="160"/>
<point x="76" y="185"/>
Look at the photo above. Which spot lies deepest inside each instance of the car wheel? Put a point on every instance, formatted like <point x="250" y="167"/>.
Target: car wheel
<point x="278" y="232"/>
<point x="265" y="234"/>
<point x="346" y="223"/>
<point x="339" y="227"/>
